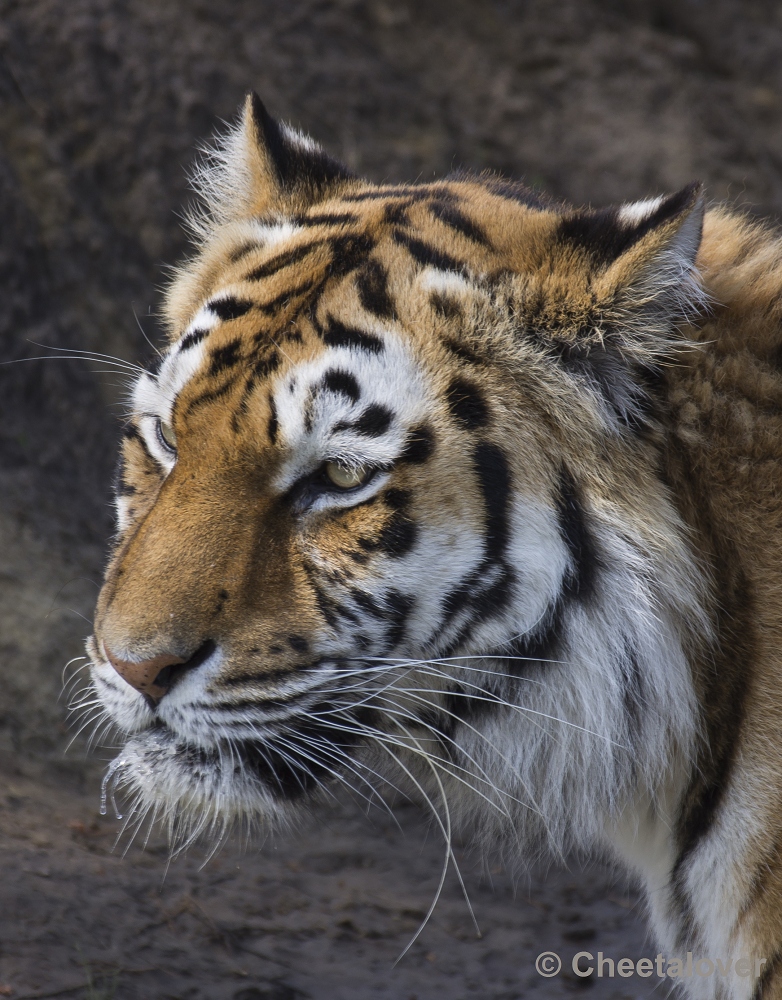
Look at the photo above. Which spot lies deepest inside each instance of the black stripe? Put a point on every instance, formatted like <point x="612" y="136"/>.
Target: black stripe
<point x="605" y="237"/>
<point x="419" y="193"/>
<point x="131" y="433"/>
<point x="236" y="255"/>
<point x="445" y="305"/>
<point x="580" y="579"/>
<point x="285" y="297"/>
<point x="399" y="608"/>
<point x="368" y="603"/>
<point x="326" y="219"/>
<point x="725" y="694"/>
<point x="427" y="255"/>
<point x="769" y="972"/>
<point x="541" y="642"/>
<point x="372" y="285"/>
<point x="467" y="404"/>
<point x="225" y="357"/>
<point x="395" y="213"/>
<point x="348" y="253"/>
<point x="462" y="351"/>
<point x="192" y="338"/>
<point x="419" y="446"/>
<point x="121" y="488"/>
<point x="212" y="394"/>
<point x="273" y="424"/>
<point x="450" y="216"/>
<point x="280" y="261"/>
<point x="494" y="482"/>
<point x="397" y="536"/>
<point x="518" y="192"/>
<point x="337" y="334"/>
<point x="230" y="308"/>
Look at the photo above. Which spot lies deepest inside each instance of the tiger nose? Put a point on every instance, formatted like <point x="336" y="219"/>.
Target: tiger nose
<point x="151" y="677"/>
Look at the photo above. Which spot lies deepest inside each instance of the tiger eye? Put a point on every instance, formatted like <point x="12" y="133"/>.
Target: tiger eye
<point x="167" y="434"/>
<point x="345" y="478"/>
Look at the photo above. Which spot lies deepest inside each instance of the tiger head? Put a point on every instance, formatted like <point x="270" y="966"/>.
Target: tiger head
<point x="383" y="506"/>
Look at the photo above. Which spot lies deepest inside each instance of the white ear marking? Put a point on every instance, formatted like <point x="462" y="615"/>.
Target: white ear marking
<point x="636" y="211"/>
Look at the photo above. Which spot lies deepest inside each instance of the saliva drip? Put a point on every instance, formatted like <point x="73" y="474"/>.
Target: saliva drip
<point x="105" y="790"/>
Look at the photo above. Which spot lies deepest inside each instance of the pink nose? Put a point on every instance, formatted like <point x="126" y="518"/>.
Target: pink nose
<point x="150" y="677"/>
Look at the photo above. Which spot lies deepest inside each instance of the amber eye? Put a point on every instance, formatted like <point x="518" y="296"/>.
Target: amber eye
<point x="166" y="434"/>
<point x="346" y="478"/>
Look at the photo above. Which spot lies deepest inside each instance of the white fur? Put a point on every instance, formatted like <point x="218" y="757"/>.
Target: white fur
<point x="636" y="211"/>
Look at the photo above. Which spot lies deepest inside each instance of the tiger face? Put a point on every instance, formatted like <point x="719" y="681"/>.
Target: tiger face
<point x="378" y="506"/>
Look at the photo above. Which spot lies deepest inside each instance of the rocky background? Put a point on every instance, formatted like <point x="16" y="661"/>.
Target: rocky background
<point x="102" y="104"/>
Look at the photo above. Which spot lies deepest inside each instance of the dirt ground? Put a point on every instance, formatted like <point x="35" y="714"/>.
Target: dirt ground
<point x="102" y="103"/>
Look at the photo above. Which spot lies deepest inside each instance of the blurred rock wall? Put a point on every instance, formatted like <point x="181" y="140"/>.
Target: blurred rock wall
<point x="102" y="103"/>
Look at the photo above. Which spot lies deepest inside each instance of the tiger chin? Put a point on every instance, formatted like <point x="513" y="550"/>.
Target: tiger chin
<point x="451" y="488"/>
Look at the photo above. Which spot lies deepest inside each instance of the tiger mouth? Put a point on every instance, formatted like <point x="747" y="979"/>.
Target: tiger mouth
<point x="289" y="763"/>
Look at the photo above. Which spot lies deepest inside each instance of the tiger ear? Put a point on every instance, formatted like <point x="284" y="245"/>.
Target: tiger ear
<point x="643" y="257"/>
<point x="643" y="284"/>
<point x="259" y="167"/>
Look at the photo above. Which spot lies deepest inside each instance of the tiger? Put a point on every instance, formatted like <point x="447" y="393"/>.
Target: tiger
<point x="454" y="489"/>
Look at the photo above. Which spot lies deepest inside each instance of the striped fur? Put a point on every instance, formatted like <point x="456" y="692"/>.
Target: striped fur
<point x="550" y="603"/>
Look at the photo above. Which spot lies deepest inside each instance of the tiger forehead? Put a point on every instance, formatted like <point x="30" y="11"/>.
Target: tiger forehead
<point x="346" y="274"/>
<point x="453" y="227"/>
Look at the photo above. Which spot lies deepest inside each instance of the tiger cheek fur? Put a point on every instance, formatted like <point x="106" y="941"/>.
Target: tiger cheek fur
<point x="446" y="487"/>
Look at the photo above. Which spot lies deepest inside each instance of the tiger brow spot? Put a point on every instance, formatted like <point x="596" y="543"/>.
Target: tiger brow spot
<point x="372" y="285"/>
<point x="275" y="649"/>
<point x="342" y="383"/>
<point x="466" y="403"/>
<point x="191" y="339"/>
<point x="298" y="643"/>
<point x="230" y="308"/>
<point x="373" y="422"/>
